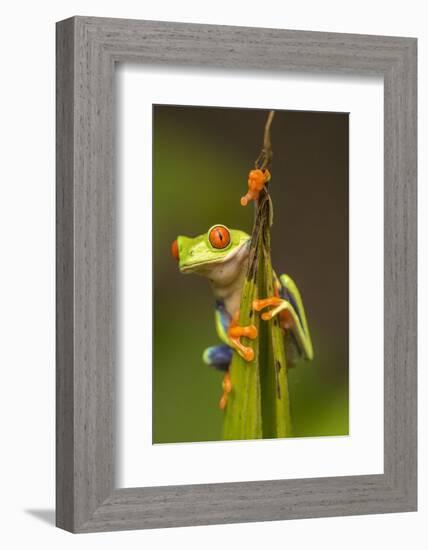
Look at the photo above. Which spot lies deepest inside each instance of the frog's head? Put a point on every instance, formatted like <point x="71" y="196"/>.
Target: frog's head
<point x="219" y="254"/>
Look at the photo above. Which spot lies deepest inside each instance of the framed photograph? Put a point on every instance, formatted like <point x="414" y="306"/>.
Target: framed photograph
<point x="236" y="274"/>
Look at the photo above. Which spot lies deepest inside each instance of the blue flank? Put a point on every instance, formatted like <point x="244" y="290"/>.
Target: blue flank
<point x="220" y="356"/>
<point x="224" y="315"/>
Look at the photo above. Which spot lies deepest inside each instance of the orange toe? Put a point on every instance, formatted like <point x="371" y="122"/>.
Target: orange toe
<point x="266" y="302"/>
<point x="248" y="354"/>
<point x="227" y="384"/>
<point x="223" y="402"/>
<point x="250" y="332"/>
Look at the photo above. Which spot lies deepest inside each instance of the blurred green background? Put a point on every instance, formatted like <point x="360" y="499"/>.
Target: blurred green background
<point x="201" y="158"/>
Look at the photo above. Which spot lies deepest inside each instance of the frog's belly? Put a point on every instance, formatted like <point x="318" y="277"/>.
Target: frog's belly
<point x="231" y="299"/>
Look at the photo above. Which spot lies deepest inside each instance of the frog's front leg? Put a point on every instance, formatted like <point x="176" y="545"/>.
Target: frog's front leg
<point x="234" y="334"/>
<point x="220" y="356"/>
<point x="230" y="332"/>
<point x="288" y="305"/>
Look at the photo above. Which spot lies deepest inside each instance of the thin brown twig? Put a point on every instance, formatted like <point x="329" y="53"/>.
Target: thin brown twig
<point x="263" y="161"/>
<point x="266" y="154"/>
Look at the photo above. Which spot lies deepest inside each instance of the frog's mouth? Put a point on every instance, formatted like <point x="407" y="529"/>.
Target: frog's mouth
<point x="192" y="267"/>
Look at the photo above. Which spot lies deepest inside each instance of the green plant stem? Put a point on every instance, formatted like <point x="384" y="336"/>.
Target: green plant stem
<point x="259" y="406"/>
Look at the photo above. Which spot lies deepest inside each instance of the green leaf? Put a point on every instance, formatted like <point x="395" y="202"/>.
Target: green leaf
<point x="258" y="406"/>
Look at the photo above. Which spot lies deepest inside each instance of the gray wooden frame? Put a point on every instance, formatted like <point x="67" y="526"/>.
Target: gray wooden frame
<point x="87" y="50"/>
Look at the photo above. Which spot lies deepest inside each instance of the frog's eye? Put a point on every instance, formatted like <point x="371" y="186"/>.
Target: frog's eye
<point x="219" y="236"/>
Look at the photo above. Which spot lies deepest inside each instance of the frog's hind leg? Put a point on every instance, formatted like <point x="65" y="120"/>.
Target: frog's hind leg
<point x="218" y="357"/>
<point x="227" y="388"/>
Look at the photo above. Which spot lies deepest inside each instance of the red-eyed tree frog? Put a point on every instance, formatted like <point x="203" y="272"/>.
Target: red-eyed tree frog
<point x="221" y="255"/>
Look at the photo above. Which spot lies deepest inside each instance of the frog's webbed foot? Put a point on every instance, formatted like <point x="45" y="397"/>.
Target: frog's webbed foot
<point x="257" y="179"/>
<point x="277" y="304"/>
<point x="288" y="320"/>
<point x="235" y="332"/>
<point x="220" y="357"/>
<point x="227" y="388"/>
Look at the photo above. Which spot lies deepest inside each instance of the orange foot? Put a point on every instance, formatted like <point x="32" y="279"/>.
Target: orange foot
<point x="235" y="333"/>
<point x="279" y="307"/>
<point x="273" y="301"/>
<point x="227" y="388"/>
<point x="257" y="180"/>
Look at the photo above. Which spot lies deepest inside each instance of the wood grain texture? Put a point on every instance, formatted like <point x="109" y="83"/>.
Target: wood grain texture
<point x="87" y="50"/>
<point x="64" y="277"/>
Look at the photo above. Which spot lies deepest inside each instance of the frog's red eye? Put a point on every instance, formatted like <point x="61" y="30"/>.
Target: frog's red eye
<point x="219" y="236"/>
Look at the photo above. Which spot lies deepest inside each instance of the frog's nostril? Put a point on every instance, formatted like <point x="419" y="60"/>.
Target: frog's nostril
<point x="174" y="250"/>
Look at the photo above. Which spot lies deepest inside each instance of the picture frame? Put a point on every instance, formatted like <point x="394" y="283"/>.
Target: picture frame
<point x="87" y="51"/>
